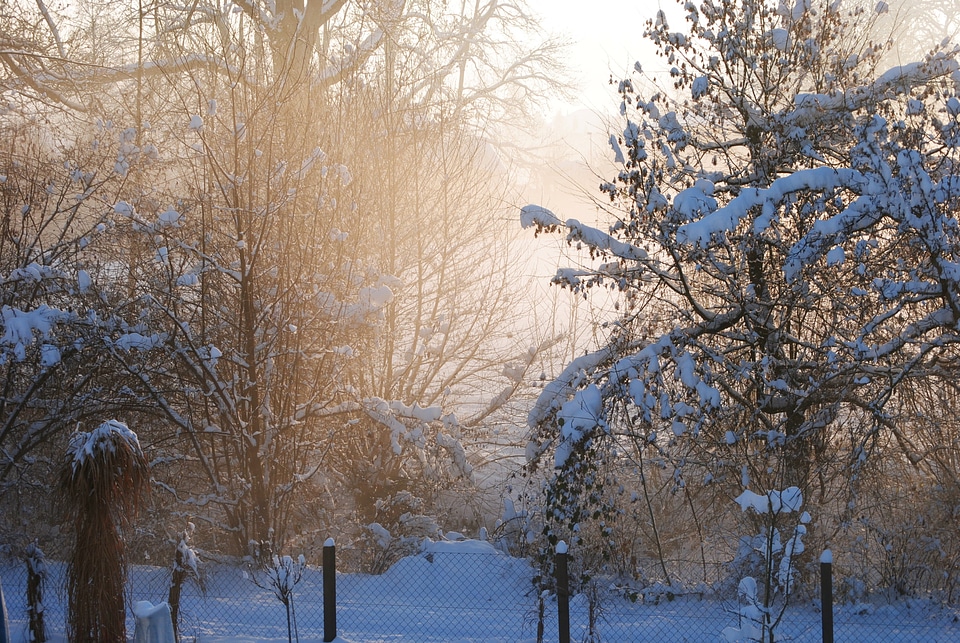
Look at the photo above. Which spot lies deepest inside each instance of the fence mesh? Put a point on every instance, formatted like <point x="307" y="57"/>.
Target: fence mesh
<point x="463" y="597"/>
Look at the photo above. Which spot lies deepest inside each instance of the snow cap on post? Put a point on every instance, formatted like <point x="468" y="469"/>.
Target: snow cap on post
<point x="561" y="547"/>
<point x="826" y="558"/>
<point x="328" y="542"/>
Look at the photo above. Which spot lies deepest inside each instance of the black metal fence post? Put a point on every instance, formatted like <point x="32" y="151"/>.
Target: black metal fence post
<point x="563" y="593"/>
<point x="826" y="595"/>
<point x="329" y="591"/>
<point x="4" y="622"/>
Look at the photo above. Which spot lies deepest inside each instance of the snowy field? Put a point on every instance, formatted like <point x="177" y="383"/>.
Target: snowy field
<point x="466" y="592"/>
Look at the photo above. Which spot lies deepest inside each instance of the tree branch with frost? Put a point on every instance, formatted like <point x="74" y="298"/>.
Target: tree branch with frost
<point x="28" y="79"/>
<point x="196" y="357"/>
<point x="939" y="320"/>
<point x="428" y="87"/>
<point x="46" y="83"/>
<point x="37" y="433"/>
<point x="516" y="377"/>
<point x="334" y="73"/>
<point x="54" y="31"/>
<point x="621" y="367"/>
<point x="163" y="68"/>
<point x="390" y="414"/>
<point x="160" y="399"/>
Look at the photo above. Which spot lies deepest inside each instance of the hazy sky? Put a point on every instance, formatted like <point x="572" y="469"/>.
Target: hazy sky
<point x="606" y="36"/>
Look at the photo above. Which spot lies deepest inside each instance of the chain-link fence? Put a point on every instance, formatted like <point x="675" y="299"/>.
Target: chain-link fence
<point x="440" y="596"/>
<point x="470" y="593"/>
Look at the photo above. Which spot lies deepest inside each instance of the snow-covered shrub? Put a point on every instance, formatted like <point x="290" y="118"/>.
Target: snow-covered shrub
<point x="283" y="573"/>
<point x="186" y="567"/>
<point x="514" y="531"/>
<point x="398" y="531"/>
<point x="763" y="602"/>
<point x="36" y="582"/>
<point x="751" y="616"/>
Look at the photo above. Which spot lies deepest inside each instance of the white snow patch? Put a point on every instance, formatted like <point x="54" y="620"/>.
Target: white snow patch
<point x="786" y="501"/>
<point x="578" y="416"/>
<point x="49" y="355"/>
<point x="83" y="280"/>
<point x="700" y="87"/>
<point x="137" y="341"/>
<point x="836" y="256"/>
<point x="103" y="438"/>
<point x="169" y="218"/>
<point x="534" y="215"/>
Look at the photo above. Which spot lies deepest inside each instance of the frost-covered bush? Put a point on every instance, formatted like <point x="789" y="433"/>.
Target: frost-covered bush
<point x="400" y="529"/>
<point x="282" y="574"/>
<point x="776" y="548"/>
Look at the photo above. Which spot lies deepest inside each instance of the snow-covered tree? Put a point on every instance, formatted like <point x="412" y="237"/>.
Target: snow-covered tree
<point x="439" y="185"/>
<point x="245" y="301"/>
<point x="784" y="238"/>
<point x="452" y="339"/>
<point x="54" y="198"/>
<point x="775" y="550"/>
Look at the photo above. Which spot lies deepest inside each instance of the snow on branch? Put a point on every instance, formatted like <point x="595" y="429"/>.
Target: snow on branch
<point x="935" y="321"/>
<point x="22" y="327"/>
<point x="577" y="418"/>
<point x="45" y="82"/>
<point x="774" y="502"/>
<point x="564" y="385"/>
<point x="340" y="67"/>
<point x="726" y="218"/>
<point x="603" y="242"/>
<point x="577" y="394"/>
<point x="379" y="411"/>
<point x="597" y="240"/>
<point x="409" y="423"/>
<point x="810" y="107"/>
<point x="539" y="217"/>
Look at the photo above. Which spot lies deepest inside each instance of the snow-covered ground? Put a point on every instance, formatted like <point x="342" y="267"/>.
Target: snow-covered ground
<point x="465" y="592"/>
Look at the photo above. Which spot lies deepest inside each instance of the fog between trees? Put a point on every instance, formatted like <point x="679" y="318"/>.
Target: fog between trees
<point x="273" y="239"/>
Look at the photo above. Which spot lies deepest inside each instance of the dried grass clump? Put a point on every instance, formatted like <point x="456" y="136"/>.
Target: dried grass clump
<point x="103" y="479"/>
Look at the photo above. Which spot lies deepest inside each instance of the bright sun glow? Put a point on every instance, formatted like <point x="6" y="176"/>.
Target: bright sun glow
<point x="606" y="37"/>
